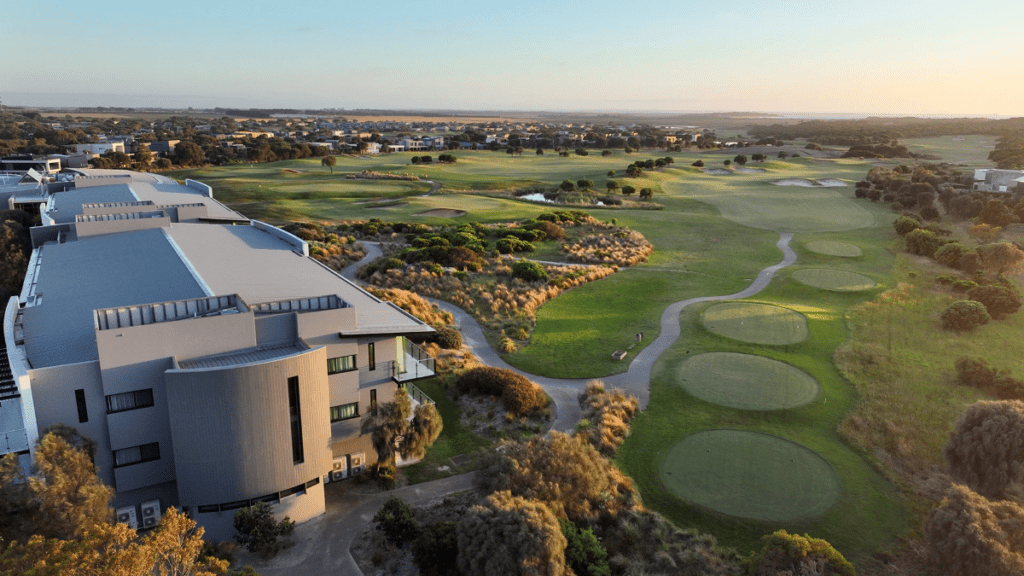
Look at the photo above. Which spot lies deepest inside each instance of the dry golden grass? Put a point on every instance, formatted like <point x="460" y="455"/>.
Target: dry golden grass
<point x="413" y="304"/>
<point x="497" y="300"/>
<point x="623" y="248"/>
<point x="607" y="416"/>
<point x="336" y="256"/>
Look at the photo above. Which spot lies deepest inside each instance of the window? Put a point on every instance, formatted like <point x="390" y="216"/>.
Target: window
<point x="372" y="354"/>
<point x="341" y="364"/>
<point x="373" y="401"/>
<point x="129" y="400"/>
<point x="83" y="412"/>
<point x="137" y="454"/>
<point x="344" y="412"/>
<point x="296" y="418"/>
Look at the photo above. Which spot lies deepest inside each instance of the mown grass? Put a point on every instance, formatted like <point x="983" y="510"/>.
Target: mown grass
<point x="970" y="151"/>
<point x="746" y="381"/>
<point x="829" y="279"/>
<point x="869" y="515"/>
<point x="755" y="323"/>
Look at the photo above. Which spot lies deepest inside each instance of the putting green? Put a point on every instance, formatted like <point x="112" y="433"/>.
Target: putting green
<point x="835" y="280"/>
<point x="746" y="381"/>
<point x="750" y="475"/>
<point x="755" y="323"/>
<point x="832" y="248"/>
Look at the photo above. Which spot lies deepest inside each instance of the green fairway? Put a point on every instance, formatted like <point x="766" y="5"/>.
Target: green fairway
<point x="830" y="248"/>
<point x="751" y="199"/>
<point x="838" y="280"/>
<point x="756" y="323"/>
<point x="750" y="475"/>
<point x="968" y="151"/>
<point x="746" y="381"/>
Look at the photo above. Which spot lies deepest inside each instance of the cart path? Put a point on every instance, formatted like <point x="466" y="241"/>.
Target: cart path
<point x="637" y="378"/>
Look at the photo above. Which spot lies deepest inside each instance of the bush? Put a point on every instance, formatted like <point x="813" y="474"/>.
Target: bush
<point x="964" y="316"/>
<point x="796" y="555"/>
<point x="529" y="271"/>
<point x="923" y="242"/>
<point x="974" y="372"/>
<point x="962" y="286"/>
<point x="510" y="244"/>
<point x="999" y="301"/>
<point x="968" y="535"/>
<point x="698" y="164"/>
<point x="985" y="449"/>
<point x="520" y="396"/>
<point x="510" y="536"/>
<point x="583" y="553"/>
<point x="905" y="225"/>
<point x="448" y="338"/>
<point x="256" y="529"/>
<point x="396" y="521"/>
<point x="610" y="413"/>
<point x="435" y="548"/>
<point x="950" y="254"/>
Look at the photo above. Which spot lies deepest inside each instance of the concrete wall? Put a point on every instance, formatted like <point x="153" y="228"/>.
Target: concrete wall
<point x="116" y="225"/>
<point x="298" y="508"/>
<point x="274" y="329"/>
<point x="232" y="433"/>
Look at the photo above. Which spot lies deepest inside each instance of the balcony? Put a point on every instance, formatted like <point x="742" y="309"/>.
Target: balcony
<point x="416" y="365"/>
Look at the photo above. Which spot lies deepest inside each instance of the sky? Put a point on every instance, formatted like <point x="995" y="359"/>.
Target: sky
<point x="798" y="56"/>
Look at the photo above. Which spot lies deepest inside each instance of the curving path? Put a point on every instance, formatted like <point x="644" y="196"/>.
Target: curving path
<point x="636" y="380"/>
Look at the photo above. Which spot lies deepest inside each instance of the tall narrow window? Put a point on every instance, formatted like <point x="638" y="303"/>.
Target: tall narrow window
<point x="296" y="419"/>
<point x="83" y="412"/>
<point x="372" y="360"/>
<point x="399" y="354"/>
<point x="373" y="401"/>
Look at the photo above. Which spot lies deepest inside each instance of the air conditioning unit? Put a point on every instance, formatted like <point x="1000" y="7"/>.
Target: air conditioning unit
<point x="126" y="515"/>
<point x="338" y="465"/>
<point x="357" y="460"/>
<point x="338" y="475"/>
<point x="150" y="514"/>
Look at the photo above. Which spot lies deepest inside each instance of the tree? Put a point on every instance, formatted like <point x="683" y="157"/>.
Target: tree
<point x="740" y="159"/>
<point x="189" y="154"/>
<point x="567" y="186"/>
<point x="176" y="546"/>
<point x="611" y="173"/>
<point x="396" y="521"/>
<point x="627" y="190"/>
<point x="698" y="164"/>
<point x="646" y="193"/>
<point x="995" y="213"/>
<point x="964" y="316"/>
<point x="923" y="242"/>
<point x="583" y="552"/>
<point x="393" y="433"/>
<point x="986" y="448"/>
<point x="727" y="162"/>
<point x="606" y="152"/>
<point x="435" y="548"/>
<point x="329" y="161"/>
<point x="905" y="225"/>
<point x="510" y="536"/>
<point x="69" y="496"/>
<point x="143" y="157"/>
<point x="1001" y="258"/>
<point x="611" y="185"/>
<point x="968" y="535"/>
<point x="585" y="184"/>
<point x="256" y="529"/>
<point x="540" y="151"/>
<point x="529" y="271"/>
<point x="985" y="233"/>
<point x="15" y="250"/>
<point x="795" y="555"/>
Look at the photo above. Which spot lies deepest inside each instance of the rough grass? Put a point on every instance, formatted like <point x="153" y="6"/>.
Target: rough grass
<point x="755" y="323"/>
<point x="968" y="151"/>
<point x="838" y="280"/>
<point x="830" y="248"/>
<point x="750" y="475"/>
<point x="745" y="381"/>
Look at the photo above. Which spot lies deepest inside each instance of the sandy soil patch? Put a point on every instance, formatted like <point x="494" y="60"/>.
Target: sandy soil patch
<point x="443" y="213"/>
<point x="289" y="171"/>
<point x="746" y="170"/>
<point x="717" y="171"/>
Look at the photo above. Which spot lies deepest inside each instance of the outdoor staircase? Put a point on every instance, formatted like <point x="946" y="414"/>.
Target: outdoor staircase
<point x="8" y="388"/>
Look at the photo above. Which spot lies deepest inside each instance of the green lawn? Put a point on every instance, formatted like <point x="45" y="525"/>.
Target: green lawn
<point x="830" y="248"/>
<point x="969" y="151"/>
<point x="827" y="279"/>
<point x="746" y="381"/>
<point x="755" y="323"/>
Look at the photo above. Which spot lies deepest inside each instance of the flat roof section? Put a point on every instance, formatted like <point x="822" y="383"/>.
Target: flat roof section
<point x="68" y="205"/>
<point x="262" y="268"/>
<point x="93" y="273"/>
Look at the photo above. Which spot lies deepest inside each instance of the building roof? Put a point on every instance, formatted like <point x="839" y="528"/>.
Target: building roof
<point x="76" y="278"/>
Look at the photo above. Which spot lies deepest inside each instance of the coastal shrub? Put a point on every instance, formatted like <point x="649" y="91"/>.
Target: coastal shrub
<point x="999" y="301"/>
<point x="529" y="271"/>
<point x="447" y="338"/>
<point x="964" y="316"/>
<point x="396" y="521"/>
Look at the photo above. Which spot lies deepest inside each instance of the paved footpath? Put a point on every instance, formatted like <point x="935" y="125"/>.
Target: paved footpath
<point x="348" y="511"/>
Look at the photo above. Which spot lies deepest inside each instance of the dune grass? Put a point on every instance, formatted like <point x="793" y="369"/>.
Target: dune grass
<point x="838" y="280"/>
<point x="746" y="381"/>
<point x="755" y="323"/>
<point x="750" y="475"/>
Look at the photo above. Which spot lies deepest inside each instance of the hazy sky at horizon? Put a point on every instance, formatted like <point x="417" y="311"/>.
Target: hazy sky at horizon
<point x="867" y="56"/>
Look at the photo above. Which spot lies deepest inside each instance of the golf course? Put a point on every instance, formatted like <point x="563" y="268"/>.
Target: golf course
<point x="739" y="437"/>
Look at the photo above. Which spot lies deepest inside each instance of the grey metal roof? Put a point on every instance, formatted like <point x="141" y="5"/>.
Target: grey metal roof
<point x="250" y="356"/>
<point x="93" y="273"/>
<point x="261" y="268"/>
<point x="68" y="205"/>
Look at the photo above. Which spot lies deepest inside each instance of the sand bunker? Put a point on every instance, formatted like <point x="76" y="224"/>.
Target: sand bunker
<point x="443" y="213"/>
<point x="289" y="171"/>
<point x="831" y="182"/>
<point x="824" y="182"/>
<point x="750" y="170"/>
<point x="717" y="171"/>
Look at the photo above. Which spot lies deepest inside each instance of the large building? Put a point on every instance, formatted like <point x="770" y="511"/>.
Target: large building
<point x="212" y="360"/>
